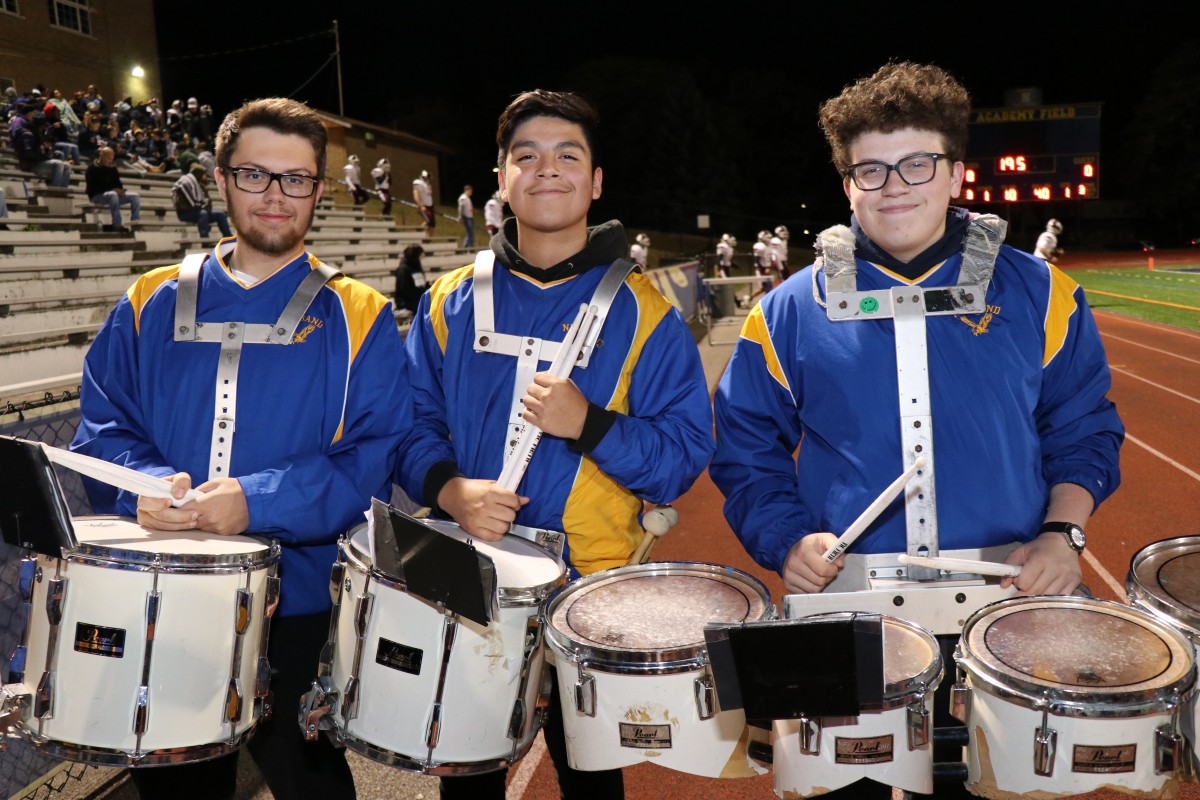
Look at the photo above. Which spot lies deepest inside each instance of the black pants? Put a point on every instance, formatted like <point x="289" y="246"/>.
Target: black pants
<point x="572" y="784"/>
<point x="293" y="768"/>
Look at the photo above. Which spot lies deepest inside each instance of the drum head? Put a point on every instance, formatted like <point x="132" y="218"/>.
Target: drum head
<point x="1076" y="649"/>
<point x="911" y="656"/>
<point x="653" y="611"/>
<point x="520" y="564"/>
<point x="1165" y="576"/>
<point x="123" y="540"/>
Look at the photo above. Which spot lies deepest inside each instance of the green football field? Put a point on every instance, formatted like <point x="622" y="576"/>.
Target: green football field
<point x="1170" y="293"/>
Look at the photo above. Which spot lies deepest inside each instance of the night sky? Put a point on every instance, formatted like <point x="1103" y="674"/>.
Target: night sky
<point x="702" y="113"/>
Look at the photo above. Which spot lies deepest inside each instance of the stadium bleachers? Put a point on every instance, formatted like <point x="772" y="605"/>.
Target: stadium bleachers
<point x="60" y="274"/>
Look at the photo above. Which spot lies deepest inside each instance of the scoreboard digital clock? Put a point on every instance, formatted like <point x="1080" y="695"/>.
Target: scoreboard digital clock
<point x="1033" y="154"/>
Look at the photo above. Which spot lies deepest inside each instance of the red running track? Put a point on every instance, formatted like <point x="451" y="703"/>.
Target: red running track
<point x="1156" y="386"/>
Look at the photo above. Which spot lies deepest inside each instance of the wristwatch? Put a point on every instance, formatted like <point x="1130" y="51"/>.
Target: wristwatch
<point x="1075" y="535"/>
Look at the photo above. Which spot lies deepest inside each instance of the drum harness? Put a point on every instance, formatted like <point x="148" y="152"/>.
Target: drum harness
<point x="231" y="336"/>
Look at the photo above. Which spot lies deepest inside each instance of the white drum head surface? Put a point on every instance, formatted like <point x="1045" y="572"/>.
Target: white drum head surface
<point x="123" y="533"/>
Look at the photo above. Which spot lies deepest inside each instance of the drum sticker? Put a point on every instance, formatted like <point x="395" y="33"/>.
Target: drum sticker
<point x="871" y="750"/>
<point x="399" y="656"/>
<point x="1104" y="760"/>
<point x="645" y="737"/>
<point x="99" y="641"/>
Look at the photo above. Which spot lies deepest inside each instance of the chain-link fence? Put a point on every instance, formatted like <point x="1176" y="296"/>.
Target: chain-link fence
<point x="24" y="773"/>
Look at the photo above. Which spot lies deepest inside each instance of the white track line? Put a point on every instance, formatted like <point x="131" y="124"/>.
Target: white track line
<point x="1129" y="374"/>
<point x="529" y="764"/>
<point x="1191" y="473"/>
<point x="1105" y="576"/>
<point x="1153" y="349"/>
<point x="1158" y="326"/>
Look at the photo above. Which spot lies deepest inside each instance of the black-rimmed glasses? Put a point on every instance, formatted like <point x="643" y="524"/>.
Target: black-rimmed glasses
<point x="257" y="181"/>
<point x="870" y="176"/>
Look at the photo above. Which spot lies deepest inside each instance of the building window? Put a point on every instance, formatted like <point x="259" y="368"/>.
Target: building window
<point x="9" y="5"/>
<point x="70" y="14"/>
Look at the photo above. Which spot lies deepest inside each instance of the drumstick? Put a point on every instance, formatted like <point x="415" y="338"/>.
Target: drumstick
<point x="116" y="475"/>
<point x="962" y="565"/>
<point x="564" y="362"/>
<point x="656" y="522"/>
<point x="874" y="510"/>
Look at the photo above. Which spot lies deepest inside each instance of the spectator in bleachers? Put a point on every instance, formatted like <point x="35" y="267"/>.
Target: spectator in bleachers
<point x="104" y="188"/>
<point x="91" y="139"/>
<point x="147" y="154"/>
<point x="191" y="119"/>
<point x="204" y="122"/>
<point x="174" y="117"/>
<point x="57" y="135"/>
<point x="185" y="156"/>
<point x="66" y="112"/>
<point x="154" y="114"/>
<point x="124" y="112"/>
<point x="92" y="95"/>
<point x="79" y="106"/>
<point x="26" y="141"/>
<point x="192" y="203"/>
<point x="205" y="156"/>
<point x="407" y="295"/>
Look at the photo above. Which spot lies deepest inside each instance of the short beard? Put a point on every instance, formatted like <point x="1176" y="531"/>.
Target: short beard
<point x="271" y="245"/>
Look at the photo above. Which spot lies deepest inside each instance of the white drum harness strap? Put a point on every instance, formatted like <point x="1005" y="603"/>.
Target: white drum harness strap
<point x="231" y="336"/>
<point x="908" y="306"/>
<point x="529" y="350"/>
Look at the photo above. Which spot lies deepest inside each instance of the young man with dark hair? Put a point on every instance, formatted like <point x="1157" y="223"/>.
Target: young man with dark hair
<point x="633" y="424"/>
<point x="315" y="363"/>
<point x="1003" y="370"/>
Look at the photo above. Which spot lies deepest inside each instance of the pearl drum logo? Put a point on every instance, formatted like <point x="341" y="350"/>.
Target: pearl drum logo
<point x="99" y="640"/>
<point x="871" y="750"/>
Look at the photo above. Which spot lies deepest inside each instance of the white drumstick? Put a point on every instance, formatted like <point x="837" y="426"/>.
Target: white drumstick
<point x="962" y="565"/>
<point x="116" y="475"/>
<point x="874" y="510"/>
<point x="564" y="362"/>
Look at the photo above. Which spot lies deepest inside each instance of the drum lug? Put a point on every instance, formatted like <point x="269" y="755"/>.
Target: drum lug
<point x="585" y="691"/>
<point x="1168" y="749"/>
<point x="706" y="696"/>
<point x="810" y="736"/>
<point x="335" y="583"/>
<point x="1045" y="746"/>
<point x="434" y="732"/>
<point x="960" y="697"/>
<point x="272" y="600"/>
<point x="918" y="722"/>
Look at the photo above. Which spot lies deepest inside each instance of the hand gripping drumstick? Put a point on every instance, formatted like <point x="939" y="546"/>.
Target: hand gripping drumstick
<point x="962" y="565"/>
<point x="116" y="475"/>
<point x="657" y="521"/>
<point x="564" y="362"/>
<point x="874" y="510"/>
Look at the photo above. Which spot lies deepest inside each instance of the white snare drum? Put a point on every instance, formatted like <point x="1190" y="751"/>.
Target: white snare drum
<point x="891" y="743"/>
<point x="1164" y="581"/>
<point x="145" y="647"/>
<point x="633" y="670"/>
<point x="1065" y="695"/>
<point x="414" y="687"/>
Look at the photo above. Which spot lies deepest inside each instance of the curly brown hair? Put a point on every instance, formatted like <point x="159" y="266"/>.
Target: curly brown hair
<point x="899" y="95"/>
<point x="279" y="114"/>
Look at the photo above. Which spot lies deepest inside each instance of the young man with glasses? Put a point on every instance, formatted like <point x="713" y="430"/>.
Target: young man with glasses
<point x="322" y="404"/>
<point x="1026" y="439"/>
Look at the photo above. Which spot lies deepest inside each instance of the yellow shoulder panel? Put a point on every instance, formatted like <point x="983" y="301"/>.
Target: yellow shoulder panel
<point x="755" y="329"/>
<point x="144" y="287"/>
<point x="1059" y="311"/>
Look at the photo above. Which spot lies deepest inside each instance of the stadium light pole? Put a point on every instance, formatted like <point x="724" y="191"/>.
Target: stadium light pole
<point x="337" y="51"/>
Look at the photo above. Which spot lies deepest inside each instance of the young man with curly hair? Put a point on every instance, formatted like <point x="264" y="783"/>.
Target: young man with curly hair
<point x="1015" y="376"/>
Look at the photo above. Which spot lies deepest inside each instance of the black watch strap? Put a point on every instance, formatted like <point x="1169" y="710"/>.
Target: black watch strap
<point x="1074" y="533"/>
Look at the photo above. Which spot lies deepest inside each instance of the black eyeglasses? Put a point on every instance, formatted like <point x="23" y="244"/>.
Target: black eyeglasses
<point x="870" y="176"/>
<point x="257" y="181"/>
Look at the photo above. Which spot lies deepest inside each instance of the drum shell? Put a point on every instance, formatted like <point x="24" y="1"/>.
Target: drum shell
<point x="397" y="697"/>
<point x="96" y="686"/>
<point x="1104" y="739"/>
<point x="881" y="734"/>
<point x="645" y="698"/>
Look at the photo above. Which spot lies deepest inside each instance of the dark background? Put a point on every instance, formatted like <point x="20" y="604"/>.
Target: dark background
<point x="711" y="109"/>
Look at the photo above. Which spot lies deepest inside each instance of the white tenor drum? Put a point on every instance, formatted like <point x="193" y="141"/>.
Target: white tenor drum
<point x="891" y="743"/>
<point x="413" y="686"/>
<point x="633" y="670"/>
<point x="143" y="647"/>
<point x="1066" y="695"/>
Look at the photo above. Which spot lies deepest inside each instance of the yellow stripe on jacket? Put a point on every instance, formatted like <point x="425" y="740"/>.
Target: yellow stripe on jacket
<point x="1059" y="310"/>
<point x="755" y="330"/>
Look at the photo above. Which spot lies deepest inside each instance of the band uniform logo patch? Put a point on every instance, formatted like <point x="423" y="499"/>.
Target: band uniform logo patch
<point x="980" y="326"/>
<point x="307" y="326"/>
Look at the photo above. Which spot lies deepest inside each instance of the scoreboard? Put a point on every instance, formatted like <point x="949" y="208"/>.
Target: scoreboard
<point x="1033" y="154"/>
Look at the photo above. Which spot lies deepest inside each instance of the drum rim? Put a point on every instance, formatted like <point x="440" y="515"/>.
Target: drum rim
<point x="112" y="757"/>
<point x="391" y="758"/>
<point x="1070" y="701"/>
<point x="107" y="556"/>
<point x="510" y="596"/>
<point x="643" y="660"/>
<point x="900" y="694"/>
<point x="1141" y="594"/>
